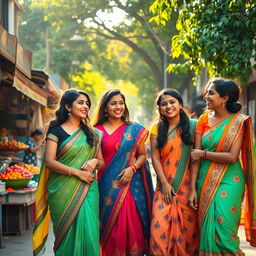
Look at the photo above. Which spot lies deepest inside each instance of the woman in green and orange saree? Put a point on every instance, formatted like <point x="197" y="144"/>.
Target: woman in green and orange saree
<point x="67" y="190"/>
<point x="174" y="230"/>
<point x="125" y="185"/>
<point x="222" y="134"/>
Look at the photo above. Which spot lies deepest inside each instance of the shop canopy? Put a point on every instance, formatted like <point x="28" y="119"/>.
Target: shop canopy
<point x="30" y="89"/>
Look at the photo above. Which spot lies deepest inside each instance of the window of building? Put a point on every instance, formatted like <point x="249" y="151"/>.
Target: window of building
<point x="4" y="14"/>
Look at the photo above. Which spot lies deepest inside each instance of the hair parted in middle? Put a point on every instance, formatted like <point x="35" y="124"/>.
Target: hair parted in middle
<point x="100" y="114"/>
<point x="62" y="114"/>
<point x="163" y="125"/>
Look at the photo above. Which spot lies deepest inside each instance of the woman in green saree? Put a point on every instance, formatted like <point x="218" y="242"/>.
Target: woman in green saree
<point x="67" y="190"/>
<point x="221" y="135"/>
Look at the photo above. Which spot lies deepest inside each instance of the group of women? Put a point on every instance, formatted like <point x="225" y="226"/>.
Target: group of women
<point x="196" y="206"/>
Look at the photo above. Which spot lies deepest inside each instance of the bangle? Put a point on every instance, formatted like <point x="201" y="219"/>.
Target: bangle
<point x="205" y="155"/>
<point x="134" y="168"/>
<point x="68" y="172"/>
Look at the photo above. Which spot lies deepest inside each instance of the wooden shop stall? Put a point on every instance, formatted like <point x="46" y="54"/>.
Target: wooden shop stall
<point x="21" y="106"/>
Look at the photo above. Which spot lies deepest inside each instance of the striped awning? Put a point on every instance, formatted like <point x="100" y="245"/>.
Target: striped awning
<point x="30" y="89"/>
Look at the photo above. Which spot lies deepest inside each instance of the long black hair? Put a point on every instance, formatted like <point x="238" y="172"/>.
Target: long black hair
<point x="163" y="125"/>
<point x="100" y="115"/>
<point x="229" y="88"/>
<point x="62" y="114"/>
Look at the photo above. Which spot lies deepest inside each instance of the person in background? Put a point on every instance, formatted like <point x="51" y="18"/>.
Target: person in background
<point x="174" y="230"/>
<point x="67" y="189"/>
<point x="3" y="134"/>
<point x="218" y="177"/>
<point x="34" y="143"/>
<point x="125" y="185"/>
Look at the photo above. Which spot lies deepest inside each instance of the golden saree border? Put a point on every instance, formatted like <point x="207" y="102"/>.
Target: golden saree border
<point x="217" y="171"/>
<point x="74" y="205"/>
<point x="69" y="144"/>
<point x="42" y="215"/>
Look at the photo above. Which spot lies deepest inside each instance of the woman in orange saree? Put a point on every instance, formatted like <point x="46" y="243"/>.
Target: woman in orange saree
<point x="174" y="229"/>
<point x="221" y="134"/>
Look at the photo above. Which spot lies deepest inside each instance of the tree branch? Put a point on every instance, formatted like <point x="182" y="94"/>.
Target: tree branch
<point x="156" y="40"/>
<point x="150" y="62"/>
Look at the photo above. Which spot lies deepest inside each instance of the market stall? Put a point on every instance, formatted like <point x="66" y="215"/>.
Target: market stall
<point x="18" y="185"/>
<point x="18" y="189"/>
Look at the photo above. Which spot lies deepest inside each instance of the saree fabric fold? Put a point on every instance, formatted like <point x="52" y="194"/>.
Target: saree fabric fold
<point x="221" y="187"/>
<point x="71" y="203"/>
<point x="174" y="227"/>
<point x="124" y="211"/>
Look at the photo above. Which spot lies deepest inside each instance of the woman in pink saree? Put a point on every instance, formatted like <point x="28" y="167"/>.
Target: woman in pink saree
<point x="125" y="184"/>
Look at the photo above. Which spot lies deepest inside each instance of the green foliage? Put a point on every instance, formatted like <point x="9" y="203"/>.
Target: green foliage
<point x="127" y="49"/>
<point x="220" y="35"/>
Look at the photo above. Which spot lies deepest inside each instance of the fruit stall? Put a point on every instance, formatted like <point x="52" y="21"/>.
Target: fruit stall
<point x="18" y="183"/>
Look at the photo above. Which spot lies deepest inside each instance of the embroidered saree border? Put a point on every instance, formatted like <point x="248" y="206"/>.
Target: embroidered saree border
<point x="217" y="171"/>
<point x="68" y="143"/>
<point x="184" y="160"/>
<point x="72" y="210"/>
<point x="42" y="215"/>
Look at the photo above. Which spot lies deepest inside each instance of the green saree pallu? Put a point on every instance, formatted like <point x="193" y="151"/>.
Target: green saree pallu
<point x="71" y="203"/>
<point x="221" y="189"/>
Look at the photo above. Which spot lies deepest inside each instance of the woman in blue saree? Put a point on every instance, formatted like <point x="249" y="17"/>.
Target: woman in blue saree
<point x="125" y="184"/>
<point x="67" y="190"/>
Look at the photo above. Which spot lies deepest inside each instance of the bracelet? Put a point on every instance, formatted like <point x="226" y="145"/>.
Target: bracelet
<point x="205" y="155"/>
<point x="68" y="172"/>
<point x="134" y="168"/>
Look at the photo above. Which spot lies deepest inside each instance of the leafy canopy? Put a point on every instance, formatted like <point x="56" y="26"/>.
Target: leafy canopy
<point x="217" y="34"/>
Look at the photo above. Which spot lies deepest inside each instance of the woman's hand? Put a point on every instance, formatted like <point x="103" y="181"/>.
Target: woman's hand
<point x="86" y="176"/>
<point x="125" y="176"/>
<point x="196" y="154"/>
<point x="192" y="199"/>
<point x="167" y="193"/>
<point x="90" y="165"/>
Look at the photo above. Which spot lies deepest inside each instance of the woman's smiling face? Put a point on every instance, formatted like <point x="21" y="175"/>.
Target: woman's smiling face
<point x="169" y="106"/>
<point x="115" y="107"/>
